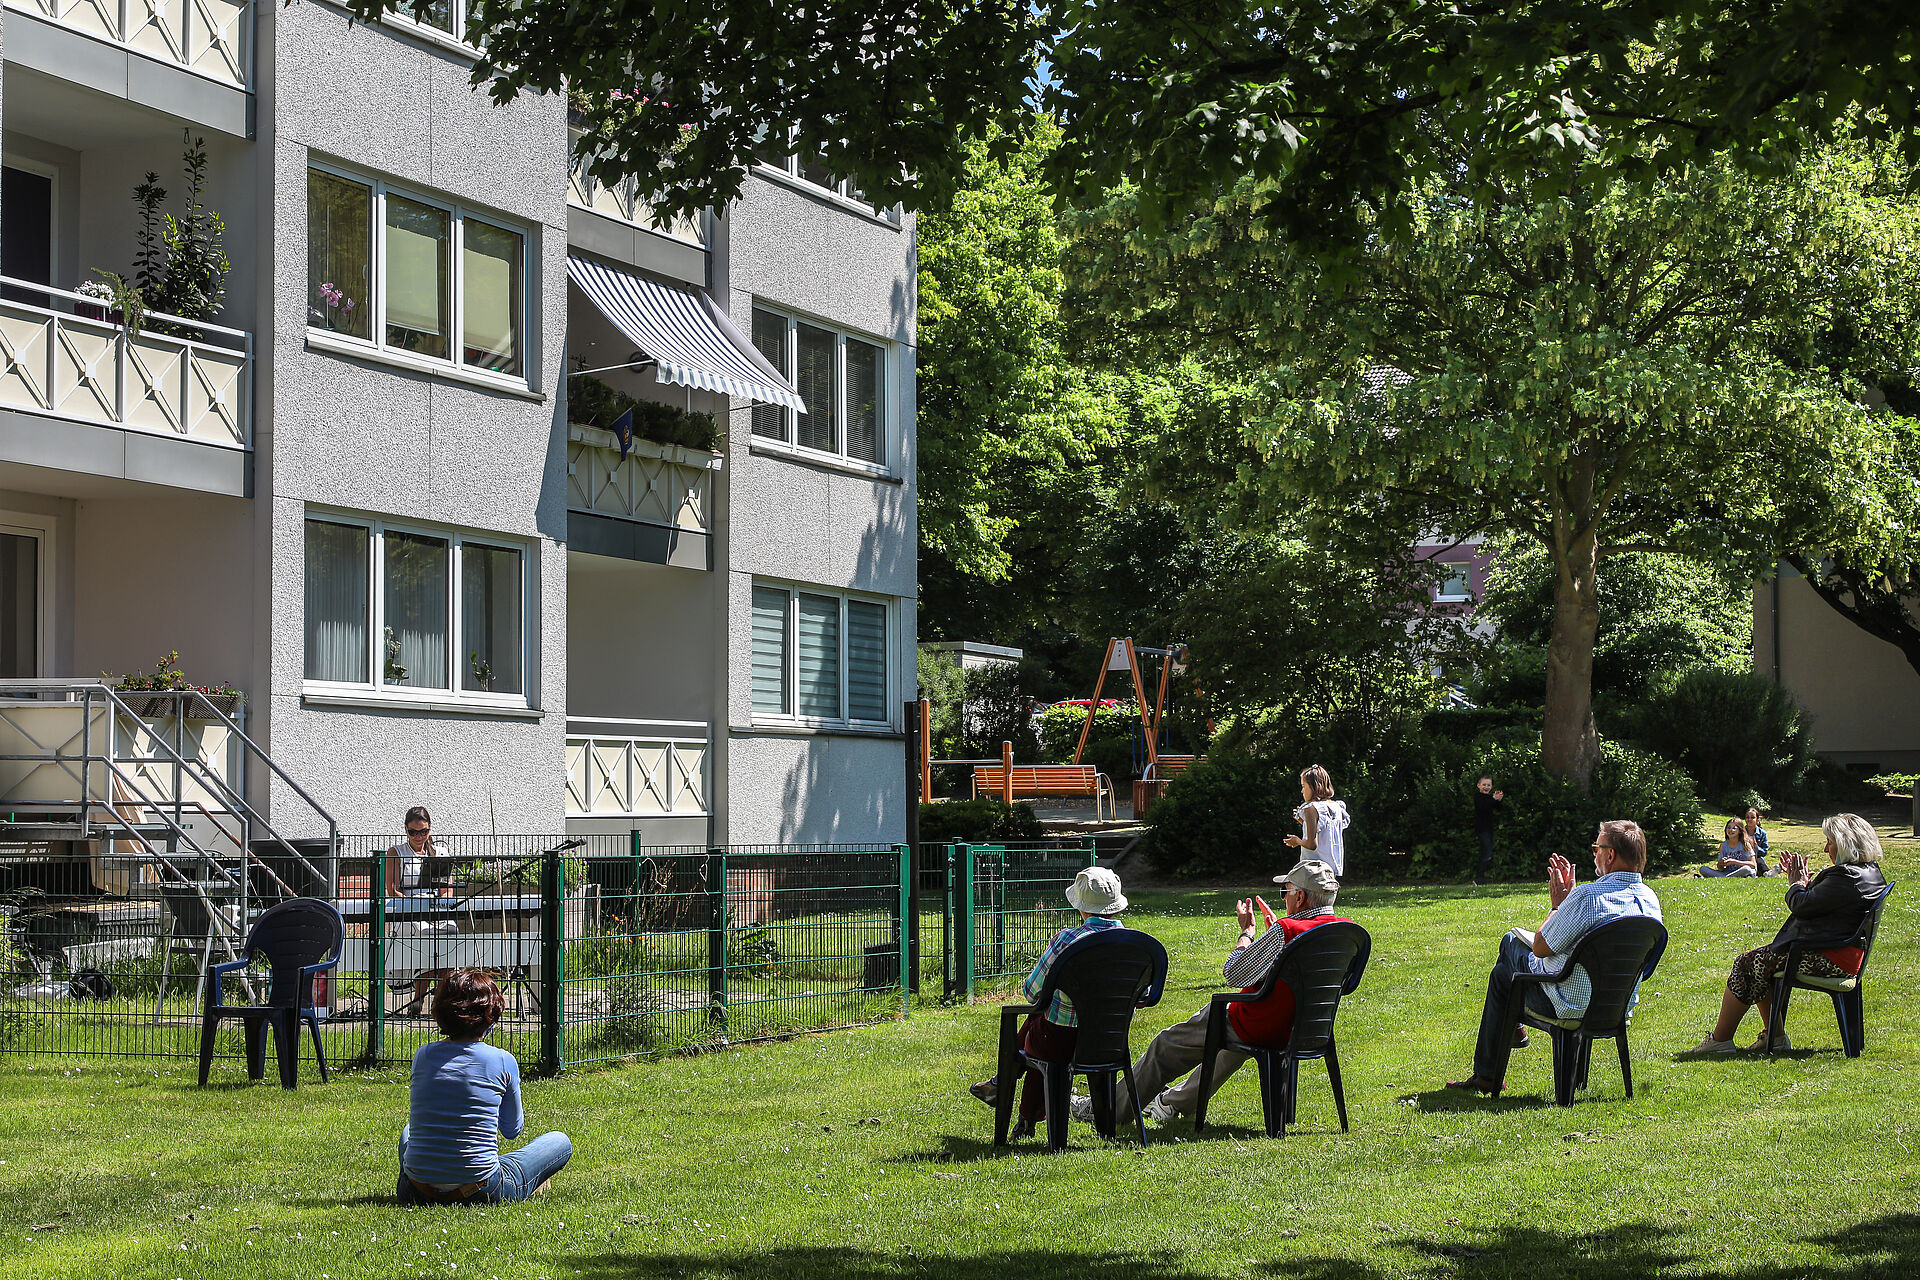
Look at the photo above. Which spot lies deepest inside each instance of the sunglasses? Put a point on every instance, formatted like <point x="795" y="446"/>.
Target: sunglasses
<point x="1597" y="848"/>
<point x="418" y="831"/>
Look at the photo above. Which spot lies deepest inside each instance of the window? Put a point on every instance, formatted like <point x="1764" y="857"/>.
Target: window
<point x="445" y="285"/>
<point x="841" y="379"/>
<point x="809" y="165"/>
<point x="448" y="616"/>
<point x="819" y="656"/>
<point x="1455" y="581"/>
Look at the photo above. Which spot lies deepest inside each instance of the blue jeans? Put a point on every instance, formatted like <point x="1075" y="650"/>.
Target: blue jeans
<point x="1501" y="1014"/>
<point x="516" y="1177"/>
<point x="1485" y="864"/>
<point x="1712" y="869"/>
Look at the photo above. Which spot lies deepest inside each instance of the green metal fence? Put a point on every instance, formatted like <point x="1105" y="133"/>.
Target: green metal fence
<point x="610" y="950"/>
<point x="1002" y="902"/>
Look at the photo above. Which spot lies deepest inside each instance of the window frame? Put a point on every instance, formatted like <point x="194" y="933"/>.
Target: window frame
<point x="458" y="214"/>
<point x="840" y="189"/>
<point x="457" y="541"/>
<point x="789" y="440"/>
<point x="1465" y="575"/>
<point x="790" y="673"/>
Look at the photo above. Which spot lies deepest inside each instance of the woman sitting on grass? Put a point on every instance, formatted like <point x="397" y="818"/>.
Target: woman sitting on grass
<point x="463" y="1094"/>
<point x="1830" y="905"/>
<point x="1738" y="856"/>
<point x="1050" y="1034"/>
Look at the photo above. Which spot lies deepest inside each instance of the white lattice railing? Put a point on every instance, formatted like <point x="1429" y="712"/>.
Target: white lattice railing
<point x="211" y="38"/>
<point x="637" y="769"/>
<point x="73" y="366"/>
<point x="655" y="484"/>
<point x="622" y="201"/>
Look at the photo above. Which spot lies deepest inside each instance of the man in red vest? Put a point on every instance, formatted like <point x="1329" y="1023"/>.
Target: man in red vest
<point x="1310" y="889"/>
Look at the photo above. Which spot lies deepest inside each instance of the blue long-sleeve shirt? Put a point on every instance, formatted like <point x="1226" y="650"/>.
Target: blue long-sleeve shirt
<point x="462" y="1095"/>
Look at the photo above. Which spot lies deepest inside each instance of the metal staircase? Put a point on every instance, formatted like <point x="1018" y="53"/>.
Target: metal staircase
<point x="152" y="789"/>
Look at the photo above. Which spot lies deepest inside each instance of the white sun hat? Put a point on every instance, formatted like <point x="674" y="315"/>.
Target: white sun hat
<point x="1096" y="891"/>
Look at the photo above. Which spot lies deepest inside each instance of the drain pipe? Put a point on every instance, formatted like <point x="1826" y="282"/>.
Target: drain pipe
<point x="1774" y="622"/>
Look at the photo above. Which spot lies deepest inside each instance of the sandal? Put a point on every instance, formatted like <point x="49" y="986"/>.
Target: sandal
<point x="1474" y="1084"/>
<point x="988" y="1091"/>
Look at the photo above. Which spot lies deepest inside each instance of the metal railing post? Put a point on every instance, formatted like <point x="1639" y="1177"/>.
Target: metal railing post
<point x="1090" y="854"/>
<point x="907" y="922"/>
<point x="717" y="937"/>
<point x="963" y="924"/>
<point x="916" y="751"/>
<point x="553" y="963"/>
<point x="377" y="960"/>
<point x="633" y="901"/>
<point x="948" y="985"/>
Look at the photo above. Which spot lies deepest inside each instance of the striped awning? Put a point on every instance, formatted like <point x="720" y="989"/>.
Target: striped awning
<point x="689" y="339"/>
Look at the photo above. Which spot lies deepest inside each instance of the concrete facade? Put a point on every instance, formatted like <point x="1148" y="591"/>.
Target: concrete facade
<point x="624" y="658"/>
<point x="1862" y="695"/>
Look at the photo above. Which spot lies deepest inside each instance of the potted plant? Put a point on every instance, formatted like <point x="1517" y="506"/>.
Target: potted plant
<point x="166" y="678"/>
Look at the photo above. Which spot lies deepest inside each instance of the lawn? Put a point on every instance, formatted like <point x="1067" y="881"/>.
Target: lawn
<point x="858" y="1154"/>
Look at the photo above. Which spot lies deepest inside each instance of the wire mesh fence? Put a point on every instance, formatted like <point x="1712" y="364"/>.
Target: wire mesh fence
<point x="604" y="947"/>
<point x="1002" y="902"/>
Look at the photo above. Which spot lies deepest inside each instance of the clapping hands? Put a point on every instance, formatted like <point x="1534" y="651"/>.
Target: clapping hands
<point x="1560" y="879"/>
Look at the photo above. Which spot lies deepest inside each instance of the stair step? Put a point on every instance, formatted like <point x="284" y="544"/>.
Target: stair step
<point x="35" y="832"/>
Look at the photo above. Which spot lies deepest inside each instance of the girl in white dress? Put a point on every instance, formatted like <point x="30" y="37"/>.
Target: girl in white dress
<point x="1323" y="820"/>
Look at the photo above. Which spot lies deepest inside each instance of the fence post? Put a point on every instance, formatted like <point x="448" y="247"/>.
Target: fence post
<point x="947" y="970"/>
<point x="377" y="959"/>
<point x="553" y="963"/>
<point x="1091" y="853"/>
<point x="1006" y="773"/>
<point x="910" y="957"/>
<point x="963" y="925"/>
<point x="633" y="902"/>
<point x="717" y="937"/>
<point x="909" y="875"/>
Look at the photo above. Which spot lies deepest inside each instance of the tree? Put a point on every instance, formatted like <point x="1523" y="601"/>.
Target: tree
<point x="1620" y="369"/>
<point x="1325" y="102"/>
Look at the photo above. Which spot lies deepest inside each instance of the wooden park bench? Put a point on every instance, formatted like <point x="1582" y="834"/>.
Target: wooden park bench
<point x="1043" y="780"/>
<point x="1170" y="766"/>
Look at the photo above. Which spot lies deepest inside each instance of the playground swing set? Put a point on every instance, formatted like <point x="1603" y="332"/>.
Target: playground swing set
<point x="1009" y="781"/>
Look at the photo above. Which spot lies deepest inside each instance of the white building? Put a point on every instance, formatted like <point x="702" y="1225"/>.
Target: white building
<point x="376" y="519"/>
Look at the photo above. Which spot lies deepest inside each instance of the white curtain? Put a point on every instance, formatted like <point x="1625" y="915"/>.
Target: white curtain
<point x="337" y="573"/>
<point x="415" y="646"/>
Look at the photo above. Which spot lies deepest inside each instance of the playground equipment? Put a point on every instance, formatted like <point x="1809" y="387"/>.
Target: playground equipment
<point x="1124" y="655"/>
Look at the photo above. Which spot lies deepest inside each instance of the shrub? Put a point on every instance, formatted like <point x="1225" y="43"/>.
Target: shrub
<point x="1544" y="814"/>
<point x="1828" y="783"/>
<point x="1732" y="731"/>
<point x="1110" y="748"/>
<point x="969" y="821"/>
<point x="1229" y="814"/>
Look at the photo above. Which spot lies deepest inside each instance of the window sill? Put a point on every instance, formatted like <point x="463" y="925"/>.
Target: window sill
<point x="392" y="702"/>
<point x="1453" y="599"/>
<point x="790" y="729"/>
<point x="825" y="196"/>
<point x="425" y="34"/>
<point x="322" y="340"/>
<point x="825" y="461"/>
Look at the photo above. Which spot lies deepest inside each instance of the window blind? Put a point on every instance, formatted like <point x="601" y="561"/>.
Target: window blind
<point x="770" y="340"/>
<point x="865" y="380"/>
<point x="491" y="308"/>
<point x="818" y="656"/>
<point x="866" y="661"/>
<point x="417" y="237"/>
<point x="337" y="601"/>
<point x="769" y="667"/>
<point x="815" y="383"/>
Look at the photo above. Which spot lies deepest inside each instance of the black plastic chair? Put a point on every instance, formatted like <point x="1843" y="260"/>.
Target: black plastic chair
<point x="1618" y="957"/>
<point x="1848" y="1009"/>
<point x="1106" y="975"/>
<point x="1320" y="966"/>
<point x="298" y="939"/>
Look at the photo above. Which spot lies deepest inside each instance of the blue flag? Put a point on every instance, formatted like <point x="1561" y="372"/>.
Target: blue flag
<point x="623" y="431"/>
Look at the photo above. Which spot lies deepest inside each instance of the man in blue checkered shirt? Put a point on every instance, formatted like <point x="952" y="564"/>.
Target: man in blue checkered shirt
<point x="1619" y="856"/>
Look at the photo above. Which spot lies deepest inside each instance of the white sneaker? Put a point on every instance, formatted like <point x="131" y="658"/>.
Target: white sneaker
<point x="1710" y="1048"/>
<point x="1159" y="1112"/>
<point x="1780" y="1043"/>
<point x="1081" y="1109"/>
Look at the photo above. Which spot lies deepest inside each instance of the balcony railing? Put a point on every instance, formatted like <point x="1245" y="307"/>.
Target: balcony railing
<point x="655" y="484"/>
<point x="636" y="769"/>
<point x="623" y="203"/>
<point x="211" y="38"/>
<point x="84" y="367"/>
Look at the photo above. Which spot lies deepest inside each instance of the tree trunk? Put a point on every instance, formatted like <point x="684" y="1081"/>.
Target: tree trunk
<point x="1569" y="743"/>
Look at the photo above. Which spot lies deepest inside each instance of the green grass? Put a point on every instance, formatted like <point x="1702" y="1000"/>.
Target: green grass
<point x="858" y="1155"/>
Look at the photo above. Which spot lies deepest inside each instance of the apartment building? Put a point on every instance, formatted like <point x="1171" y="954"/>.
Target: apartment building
<point x="356" y="492"/>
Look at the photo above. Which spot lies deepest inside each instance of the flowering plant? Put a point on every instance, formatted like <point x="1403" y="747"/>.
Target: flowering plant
<point x="338" y="313"/>
<point x="166" y="677"/>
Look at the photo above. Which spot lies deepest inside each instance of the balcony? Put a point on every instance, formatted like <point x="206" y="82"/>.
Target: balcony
<point x="84" y="370"/>
<point x="210" y="38"/>
<point x="651" y="506"/>
<point x="622" y="228"/>
<point x="636" y="769"/>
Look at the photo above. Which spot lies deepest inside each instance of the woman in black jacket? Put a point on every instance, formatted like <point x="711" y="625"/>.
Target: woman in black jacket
<point x="1829" y="905"/>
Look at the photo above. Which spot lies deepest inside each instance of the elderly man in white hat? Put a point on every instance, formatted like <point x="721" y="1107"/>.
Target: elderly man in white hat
<point x="1310" y="889"/>
<point x="1050" y="1034"/>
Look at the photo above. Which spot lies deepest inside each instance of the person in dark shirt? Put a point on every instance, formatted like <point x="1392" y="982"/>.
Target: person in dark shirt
<point x="1486" y="803"/>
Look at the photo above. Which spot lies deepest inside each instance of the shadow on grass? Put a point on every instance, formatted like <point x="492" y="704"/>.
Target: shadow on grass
<point x="1879" y="1247"/>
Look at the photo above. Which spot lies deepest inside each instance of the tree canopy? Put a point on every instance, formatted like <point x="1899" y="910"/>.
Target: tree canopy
<point x="1326" y="103"/>
<point x="1620" y="368"/>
